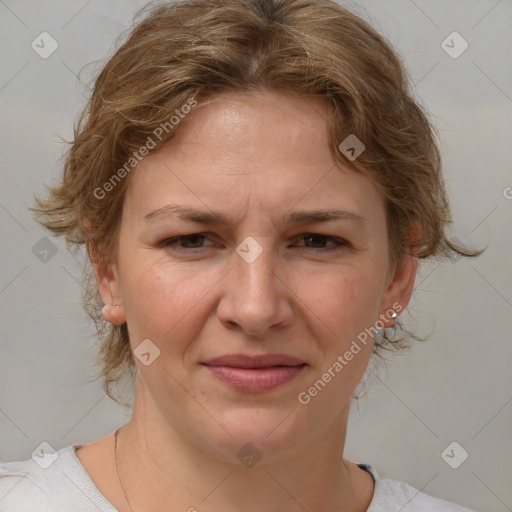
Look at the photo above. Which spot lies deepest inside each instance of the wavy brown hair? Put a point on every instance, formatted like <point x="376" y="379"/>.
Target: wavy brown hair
<point x="195" y="49"/>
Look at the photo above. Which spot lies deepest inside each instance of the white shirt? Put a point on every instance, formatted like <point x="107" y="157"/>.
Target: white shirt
<point x="65" y="486"/>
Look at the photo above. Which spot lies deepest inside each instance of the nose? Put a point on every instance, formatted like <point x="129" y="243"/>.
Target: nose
<point x="255" y="293"/>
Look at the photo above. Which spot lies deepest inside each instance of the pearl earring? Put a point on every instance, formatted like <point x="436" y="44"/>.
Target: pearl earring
<point x="107" y="312"/>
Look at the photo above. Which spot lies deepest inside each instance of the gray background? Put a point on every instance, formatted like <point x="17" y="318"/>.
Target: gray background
<point x="457" y="386"/>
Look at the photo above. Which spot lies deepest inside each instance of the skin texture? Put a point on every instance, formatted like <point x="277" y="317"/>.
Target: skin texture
<point x="255" y="159"/>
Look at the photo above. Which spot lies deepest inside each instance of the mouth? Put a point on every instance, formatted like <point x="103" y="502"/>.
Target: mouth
<point x="255" y="373"/>
<point x="253" y="362"/>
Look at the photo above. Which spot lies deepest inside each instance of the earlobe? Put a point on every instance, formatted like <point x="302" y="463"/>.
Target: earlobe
<point x="108" y="287"/>
<point x="107" y="281"/>
<point x="399" y="291"/>
<point x="113" y="314"/>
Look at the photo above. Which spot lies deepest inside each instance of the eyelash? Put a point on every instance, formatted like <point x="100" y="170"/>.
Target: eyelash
<point x="171" y="242"/>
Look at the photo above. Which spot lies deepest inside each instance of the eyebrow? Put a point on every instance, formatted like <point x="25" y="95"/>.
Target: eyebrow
<point x="189" y="214"/>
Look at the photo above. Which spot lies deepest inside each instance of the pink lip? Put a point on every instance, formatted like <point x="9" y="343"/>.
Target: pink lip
<point x="246" y="361"/>
<point x="255" y="373"/>
<point x="256" y="379"/>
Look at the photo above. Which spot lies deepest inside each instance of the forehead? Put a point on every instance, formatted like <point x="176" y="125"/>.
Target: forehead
<point x="266" y="152"/>
<point x="241" y="125"/>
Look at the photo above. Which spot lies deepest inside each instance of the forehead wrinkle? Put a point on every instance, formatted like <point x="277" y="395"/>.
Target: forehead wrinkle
<point x="213" y="218"/>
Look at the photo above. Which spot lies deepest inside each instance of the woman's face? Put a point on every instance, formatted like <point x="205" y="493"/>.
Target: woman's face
<point x="254" y="284"/>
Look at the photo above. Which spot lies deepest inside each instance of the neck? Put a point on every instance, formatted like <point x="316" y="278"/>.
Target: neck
<point x="161" y="468"/>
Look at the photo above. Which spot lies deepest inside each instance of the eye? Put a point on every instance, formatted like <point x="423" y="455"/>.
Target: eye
<point x="195" y="238"/>
<point x="194" y="242"/>
<point x="319" y="239"/>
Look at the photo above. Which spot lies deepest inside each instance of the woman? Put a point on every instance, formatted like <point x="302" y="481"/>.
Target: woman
<point x="255" y="185"/>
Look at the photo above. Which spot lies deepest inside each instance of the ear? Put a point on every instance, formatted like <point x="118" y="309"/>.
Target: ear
<point x="107" y="280"/>
<point x="400" y="284"/>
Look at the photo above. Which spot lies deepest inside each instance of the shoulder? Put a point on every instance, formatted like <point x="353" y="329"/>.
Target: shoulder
<point x="394" y="495"/>
<point x="23" y="487"/>
<point x="51" y="481"/>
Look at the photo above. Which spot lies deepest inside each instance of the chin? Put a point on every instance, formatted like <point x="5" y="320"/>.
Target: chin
<point x="256" y="431"/>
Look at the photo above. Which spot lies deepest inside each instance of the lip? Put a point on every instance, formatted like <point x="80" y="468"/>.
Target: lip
<point x="247" y="361"/>
<point x="255" y="373"/>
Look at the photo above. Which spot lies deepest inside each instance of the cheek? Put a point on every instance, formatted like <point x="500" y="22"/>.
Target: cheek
<point x="345" y="302"/>
<point x="164" y="297"/>
<point x="348" y="306"/>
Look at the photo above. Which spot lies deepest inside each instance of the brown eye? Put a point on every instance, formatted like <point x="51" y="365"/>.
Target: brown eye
<point x="318" y="241"/>
<point x="185" y="242"/>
